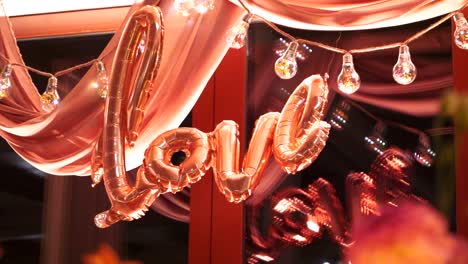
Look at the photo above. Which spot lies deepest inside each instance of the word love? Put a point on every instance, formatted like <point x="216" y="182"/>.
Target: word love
<point x="295" y="136"/>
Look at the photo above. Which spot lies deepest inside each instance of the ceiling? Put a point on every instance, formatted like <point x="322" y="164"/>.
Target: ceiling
<point x="29" y="7"/>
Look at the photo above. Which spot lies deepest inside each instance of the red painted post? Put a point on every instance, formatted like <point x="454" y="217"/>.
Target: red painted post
<point x="460" y="68"/>
<point x="201" y="192"/>
<point x="230" y="104"/>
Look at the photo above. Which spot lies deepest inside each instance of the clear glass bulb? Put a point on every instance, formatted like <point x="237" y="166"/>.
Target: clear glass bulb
<point x="236" y="37"/>
<point x="348" y="79"/>
<point x="50" y="98"/>
<point x="188" y="7"/>
<point x="5" y="82"/>
<point x="404" y="71"/>
<point x="286" y="65"/>
<point x="102" y="80"/>
<point x="461" y="31"/>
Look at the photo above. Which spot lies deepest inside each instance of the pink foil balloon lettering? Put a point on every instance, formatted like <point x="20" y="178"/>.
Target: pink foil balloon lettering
<point x="295" y="137"/>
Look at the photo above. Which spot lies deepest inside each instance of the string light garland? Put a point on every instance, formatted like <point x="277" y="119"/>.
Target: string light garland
<point x="5" y="82"/>
<point x="286" y="67"/>
<point x="404" y="71"/>
<point x="461" y="31"/>
<point x="236" y="37"/>
<point x="348" y="79"/>
<point x="189" y="7"/>
<point x="51" y="98"/>
<point x="102" y="82"/>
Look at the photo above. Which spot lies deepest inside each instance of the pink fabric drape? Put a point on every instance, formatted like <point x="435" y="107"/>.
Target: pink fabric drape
<point x="61" y="142"/>
<point x="349" y="15"/>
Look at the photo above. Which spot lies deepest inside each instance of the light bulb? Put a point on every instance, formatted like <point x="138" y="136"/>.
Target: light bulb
<point x="348" y="80"/>
<point x="236" y="37"/>
<point x="188" y="7"/>
<point x="50" y="98"/>
<point x="5" y="82"/>
<point x="102" y="80"/>
<point x="404" y="71"/>
<point x="461" y="32"/>
<point x="286" y="65"/>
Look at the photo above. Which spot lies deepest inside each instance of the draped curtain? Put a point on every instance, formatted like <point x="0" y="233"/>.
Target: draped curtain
<point x="349" y="14"/>
<point x="60" y="142"/>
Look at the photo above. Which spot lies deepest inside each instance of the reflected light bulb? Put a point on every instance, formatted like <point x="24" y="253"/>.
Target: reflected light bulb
<point x="184" y="7"/>
<point x="50" y="98"/>
<point x="460" y="35"/>
<point x="299" y="238"/>
<point x="264" y="257"/>
<point x="102" y="80"/>
<point x="312" y="224"/>
<point x="286" y="65"/>
<point x="204" y="5"/>
<point x="188" y="7"/>
<point x="424" y="154"/>
<point x="404" y="71"/>
<point x="5" y="82"/>
<point x="236" y="37"/>
<point x="348" y="80"/>
<point x="376" y="141"/>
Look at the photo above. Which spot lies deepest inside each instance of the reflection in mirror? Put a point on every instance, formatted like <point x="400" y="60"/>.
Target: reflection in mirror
<point x="388" y="142"/>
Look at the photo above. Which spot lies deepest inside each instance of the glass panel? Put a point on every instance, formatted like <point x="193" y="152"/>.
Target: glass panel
<point x="394" y="149"/>
<point x="54" y="213"/>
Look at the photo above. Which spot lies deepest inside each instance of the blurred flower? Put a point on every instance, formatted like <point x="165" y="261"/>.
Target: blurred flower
<point x="410" y="233"/>
<point x="106" y="255"/>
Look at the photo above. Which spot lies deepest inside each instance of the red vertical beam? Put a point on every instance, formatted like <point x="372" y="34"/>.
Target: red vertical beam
<point x="460" y="67"/>
<point x="230" y="104"/>
<point x="201" y="192"/>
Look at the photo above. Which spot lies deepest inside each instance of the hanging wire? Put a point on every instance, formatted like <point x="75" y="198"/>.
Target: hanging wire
<point x="412" y="38"/>
<point x="272" y="26"/>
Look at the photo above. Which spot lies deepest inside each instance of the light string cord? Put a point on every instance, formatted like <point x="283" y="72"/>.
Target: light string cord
<point x="43" y="73"/>
<point x="417" y="35"/>
<point x="58" y="73"/>
<point x="412" y="38"/>
<point x="438" y="131"/>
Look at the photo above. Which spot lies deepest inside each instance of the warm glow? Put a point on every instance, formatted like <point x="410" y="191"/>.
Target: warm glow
<point x="94" y="85"/>
<point x="312" y="225"/>
<point x="265" y="258"/>
<point x="282" y="206"/>
<point x="30" y="7"/>
<point x="299" y="238"/>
